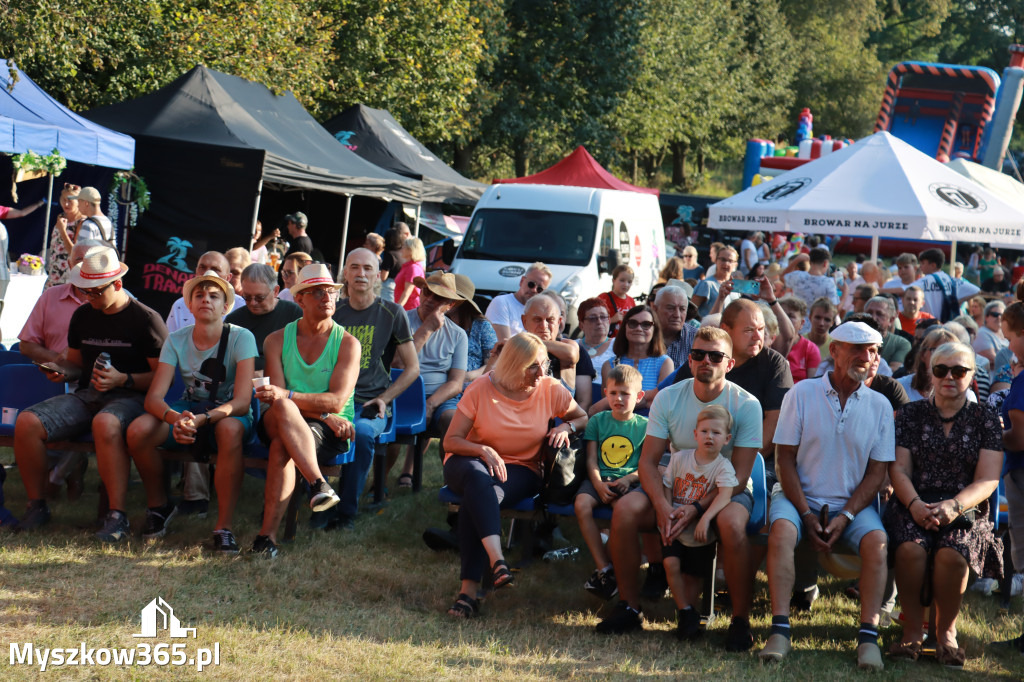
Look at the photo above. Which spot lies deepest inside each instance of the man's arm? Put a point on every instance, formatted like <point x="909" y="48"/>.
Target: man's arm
<point x="341" y="385"/>
<point x="406" y="353"/>
<point x="771" y="420"/>
<point x="448" y="389"/>
<point x="38" y="352"/>
<point x="567" y="352"/>
<point x="866" y="491"/>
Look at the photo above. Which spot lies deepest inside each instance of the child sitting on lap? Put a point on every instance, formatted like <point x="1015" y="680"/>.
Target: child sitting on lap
<point x="690" y="477"/>
<point x="618" y="436"/>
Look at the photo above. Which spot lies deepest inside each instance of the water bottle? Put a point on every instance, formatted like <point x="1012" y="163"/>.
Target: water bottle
<point x="563" y="554"/>
<point x="103" y="361"/>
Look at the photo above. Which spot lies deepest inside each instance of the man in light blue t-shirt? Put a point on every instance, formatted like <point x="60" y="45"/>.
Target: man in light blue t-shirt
<point x="671" y="425"/>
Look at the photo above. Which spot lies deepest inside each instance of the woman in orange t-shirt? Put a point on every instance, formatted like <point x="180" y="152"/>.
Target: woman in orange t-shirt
<point x="493" y="454"/>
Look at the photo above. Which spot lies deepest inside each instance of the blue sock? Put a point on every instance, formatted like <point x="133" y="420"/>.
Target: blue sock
<point x="780" y="626"/>
<point x="868" y="634"/>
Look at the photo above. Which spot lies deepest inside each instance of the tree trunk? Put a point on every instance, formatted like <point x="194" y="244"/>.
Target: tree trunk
<point x="636" y="165"/>
<point x="700" y="160"/>
<point x="678" y="164"/>
<point x="462" y="157"/>
<point x="522" y="163"/>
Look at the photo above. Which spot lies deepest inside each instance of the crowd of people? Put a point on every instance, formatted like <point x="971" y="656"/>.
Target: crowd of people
<point x="885" y="403"/>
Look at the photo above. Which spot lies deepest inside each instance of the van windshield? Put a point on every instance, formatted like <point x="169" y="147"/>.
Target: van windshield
<point x="525" y="236"/>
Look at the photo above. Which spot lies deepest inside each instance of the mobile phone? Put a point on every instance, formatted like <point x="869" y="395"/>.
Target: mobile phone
<point x="749" y="287"/>
<point x="50" y="368"/>
<point x="369" y="412"/>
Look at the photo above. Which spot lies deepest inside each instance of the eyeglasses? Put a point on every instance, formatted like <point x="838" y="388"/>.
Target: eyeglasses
<point x="320" y="293"/>
<point x="256" y="299"/>
<point x="726" y="260"/>
<point x="534" y="285"/>
<point x="541" y="367"/>
<point x="596" y="318"/>
<point x="940" y="371"/>
<point x="646" y="325"/>
<point x="98" y="291"/>
<point x="715" y="356"/>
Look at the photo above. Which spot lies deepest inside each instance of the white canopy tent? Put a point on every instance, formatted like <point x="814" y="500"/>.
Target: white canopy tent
<point x="877" y="187"/>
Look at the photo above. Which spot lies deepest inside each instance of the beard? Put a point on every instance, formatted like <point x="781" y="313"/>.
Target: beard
<point x="858" y="374"/>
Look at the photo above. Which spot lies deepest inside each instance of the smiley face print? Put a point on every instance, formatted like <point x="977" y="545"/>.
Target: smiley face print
<point x="616" y="451"/>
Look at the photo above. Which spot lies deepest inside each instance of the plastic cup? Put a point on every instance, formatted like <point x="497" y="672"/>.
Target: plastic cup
<point x="260" y="381"/>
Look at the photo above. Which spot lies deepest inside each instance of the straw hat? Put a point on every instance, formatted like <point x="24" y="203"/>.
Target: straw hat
<point x="443" y="284"/>
<point x="99" y="268"/>
<point x="465" y="288"/>
<point x="211" y="276"/>
<point x="313" y="275"/>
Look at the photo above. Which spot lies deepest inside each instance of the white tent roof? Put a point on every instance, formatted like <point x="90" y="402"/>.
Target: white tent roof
<point x="878" y="187"/>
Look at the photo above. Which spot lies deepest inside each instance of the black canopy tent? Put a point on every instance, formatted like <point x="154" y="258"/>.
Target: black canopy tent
<point x="207" y="145"/>
<point x="376" y="136"/>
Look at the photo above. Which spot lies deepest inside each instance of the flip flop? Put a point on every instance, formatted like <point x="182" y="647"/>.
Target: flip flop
<point x="405" y="481"/>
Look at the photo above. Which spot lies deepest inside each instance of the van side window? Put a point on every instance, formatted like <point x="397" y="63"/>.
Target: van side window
<point x="607" y="231"/>
<point x="623" y="243"/>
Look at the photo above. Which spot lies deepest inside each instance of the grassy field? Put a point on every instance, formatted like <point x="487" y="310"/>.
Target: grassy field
<point x="369" y="604"/>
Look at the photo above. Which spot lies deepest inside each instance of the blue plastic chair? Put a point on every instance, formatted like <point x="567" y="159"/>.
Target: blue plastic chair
<point x="410" y="408"/>
<point x="999" y="518"/>
<point x="759" y="514"/>
<point x="16" y="346"/>
<point x="22" y="386"/>
<point x="13" y="357"/>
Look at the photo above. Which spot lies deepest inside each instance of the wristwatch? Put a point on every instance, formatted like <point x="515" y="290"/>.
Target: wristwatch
<point x="129" y="381"/>
<point x="848" y="515"/>
<point x="572" y="427"/>
<point x="324" y="416"/>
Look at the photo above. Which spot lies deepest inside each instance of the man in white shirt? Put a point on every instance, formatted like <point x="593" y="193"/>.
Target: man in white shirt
<point x="96" y="225"/>
<point x="506" y="310"/>
<point x="748" y="253"/>
<point x="834" y="440"/>
<point x="938" y="286"/>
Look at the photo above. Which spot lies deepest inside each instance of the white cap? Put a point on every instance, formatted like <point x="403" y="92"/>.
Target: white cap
<point x="855" y="332"/>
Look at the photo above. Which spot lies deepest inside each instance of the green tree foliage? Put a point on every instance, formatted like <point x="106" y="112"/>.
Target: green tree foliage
<point x="416" y="58"/>
<point x="89" y="53"/>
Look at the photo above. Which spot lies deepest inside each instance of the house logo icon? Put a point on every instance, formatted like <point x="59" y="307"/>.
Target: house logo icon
<point x="158" y="615"/>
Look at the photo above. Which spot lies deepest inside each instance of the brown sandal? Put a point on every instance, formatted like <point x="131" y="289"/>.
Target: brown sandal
<point x="910" y="651"/>
<point x="950" y="656"/>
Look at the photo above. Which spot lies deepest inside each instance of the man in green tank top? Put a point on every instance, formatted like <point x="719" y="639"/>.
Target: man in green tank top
<point x="313" y="364"/>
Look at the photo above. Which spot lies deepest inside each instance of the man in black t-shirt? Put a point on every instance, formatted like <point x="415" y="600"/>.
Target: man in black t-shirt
<point x="263" y="313"/>
<point x="300" y="241"/>
<point x="382" y="328"/>
<point x="108" y="396"/>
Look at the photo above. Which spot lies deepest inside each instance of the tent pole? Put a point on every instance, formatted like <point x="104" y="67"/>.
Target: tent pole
<point x="416" y="232"/>
<point x="874" y="248"/>
<point x="46" y="221"/>
<point x="952" y="257"/>
<point x="127" y="217"/>
<point x="255" y="215"/>
<point x="344" y="236"/>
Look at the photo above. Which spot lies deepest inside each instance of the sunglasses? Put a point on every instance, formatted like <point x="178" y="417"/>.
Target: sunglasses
<point x="255" y="299"/>
<point x="715" y="356"/>
<point x="994" y="314"/>
<point x="940" y="371"/>
<point x="98" y="291"/>
<point x="646" y="325"/>
<point x="534" y="285"/>
<point x="320" y="294"/>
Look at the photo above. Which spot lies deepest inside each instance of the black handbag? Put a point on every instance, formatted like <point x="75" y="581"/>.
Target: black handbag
<point x="565" y="469"/>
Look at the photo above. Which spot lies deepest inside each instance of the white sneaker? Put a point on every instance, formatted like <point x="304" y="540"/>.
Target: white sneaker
<point x="1017" y="585"/>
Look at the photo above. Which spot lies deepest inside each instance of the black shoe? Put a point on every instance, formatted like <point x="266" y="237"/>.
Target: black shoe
<point x="115" y="527"/>
<point x="190" y="507"/>
<point x="340" y="522"/>
<point x="622" y="620"/>
<point x="37" y="515"/>
<point x="264" y="546"/>
<point x="602" y="585"/>
<point x="688" y="626"/>
<point x="655" y="583"/>
<point x="157" y="521"/>
<point x="323" y="520"/>
<point x="1015" y="644"/>
<point x="224" y="542"/>
<point x="440" y="540"/>
<point x="801" y="601"/>
<point x="739" y="637"/>
<point x="322" y="496"/>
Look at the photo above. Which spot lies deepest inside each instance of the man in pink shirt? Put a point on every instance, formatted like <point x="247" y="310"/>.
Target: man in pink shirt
<point x="45" y="334"/>
<point x="44" y="338"/>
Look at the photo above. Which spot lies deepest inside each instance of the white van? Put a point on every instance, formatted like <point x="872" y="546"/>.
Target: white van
<point x="581" y="233"/>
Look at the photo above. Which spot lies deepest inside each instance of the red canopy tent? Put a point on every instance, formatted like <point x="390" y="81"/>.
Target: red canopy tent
<point x="579" y="169"/>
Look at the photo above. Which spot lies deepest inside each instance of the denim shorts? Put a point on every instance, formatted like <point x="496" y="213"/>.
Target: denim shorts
<point x="864" y="521"/>
<point x="449" y="404"/>
<point x="70" y="415"/>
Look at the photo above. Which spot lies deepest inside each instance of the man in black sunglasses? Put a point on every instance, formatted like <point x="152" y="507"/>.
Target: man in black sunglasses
<point x="671" y="426"/>
<point x="505" y="311"/>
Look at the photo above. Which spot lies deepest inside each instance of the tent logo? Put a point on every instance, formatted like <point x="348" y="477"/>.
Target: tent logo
<point x="958" y="197"/>
<point x="345" y="137"/>
<point x="158" y="615"/>
<point x="512" y="271"/>
<point x="774" y="192"/>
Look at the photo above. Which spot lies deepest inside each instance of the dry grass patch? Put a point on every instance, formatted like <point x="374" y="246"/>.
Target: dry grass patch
<point x="369" y="604"/>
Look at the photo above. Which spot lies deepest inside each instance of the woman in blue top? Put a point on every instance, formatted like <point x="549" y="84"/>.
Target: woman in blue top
<point x="193" y="351"/>
<point x="643" y="348"/>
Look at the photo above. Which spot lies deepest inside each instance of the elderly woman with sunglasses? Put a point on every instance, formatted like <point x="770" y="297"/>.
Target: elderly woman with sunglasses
<point x="642" y="347"/>
<point x="493" y="455"/>
<point x="918" y="385"/>
<point x="949" y="454"/>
